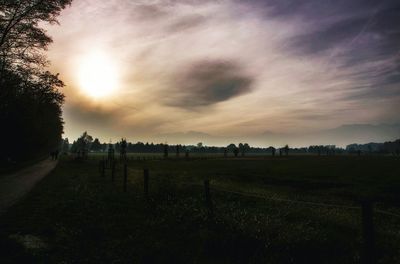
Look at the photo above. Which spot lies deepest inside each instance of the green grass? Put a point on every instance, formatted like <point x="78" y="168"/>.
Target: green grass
<point x="79" y="216"/>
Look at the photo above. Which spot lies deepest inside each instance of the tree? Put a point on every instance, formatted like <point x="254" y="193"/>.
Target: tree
<point x="243" y="148"/>
<point x="65" y="145"/>
<point x="273" y="151"/>
<point x="30" y="101"/>
<point x="22" y="39"/>
<point x="83" y="143"/>
<point x="123" y="149"/>
<point x="165" y="146"/>
<point x="236" y="151"/>
<point x="96" y="145"/>
<point x="232" y="147"/>
<point x="286" y="150"/>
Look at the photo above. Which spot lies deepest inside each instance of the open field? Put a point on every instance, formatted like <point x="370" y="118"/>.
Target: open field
<point x="294" y="209"/>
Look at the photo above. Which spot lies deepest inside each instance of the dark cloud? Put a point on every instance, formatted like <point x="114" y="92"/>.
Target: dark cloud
<point x="206" y="83"/>
<point x="86" y="114"/>
<point x="149" y="12"/>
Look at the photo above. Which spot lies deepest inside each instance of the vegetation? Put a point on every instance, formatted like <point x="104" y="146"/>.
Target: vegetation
<point x="75" y="215"/>
<point x="242" y="148"/>
<point x="30" y="101"/>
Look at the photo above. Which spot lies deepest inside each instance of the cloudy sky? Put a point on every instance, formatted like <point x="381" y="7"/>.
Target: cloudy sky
<point x="137" y="69"/>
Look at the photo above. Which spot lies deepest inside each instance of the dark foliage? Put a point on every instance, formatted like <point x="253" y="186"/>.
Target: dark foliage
<point x="30" y="101"/>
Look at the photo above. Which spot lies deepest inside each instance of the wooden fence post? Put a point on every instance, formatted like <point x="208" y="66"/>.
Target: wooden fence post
<point x="368" y="235"/>
<point x="125" y="176"/>
<point x="208" y="199"/>
<point x="146" y="182"/>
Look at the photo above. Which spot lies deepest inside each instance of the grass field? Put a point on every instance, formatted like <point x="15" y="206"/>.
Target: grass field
<point x="296" y="209"/>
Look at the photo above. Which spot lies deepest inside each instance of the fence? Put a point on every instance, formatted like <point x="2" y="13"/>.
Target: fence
<point x="366" y="208"/>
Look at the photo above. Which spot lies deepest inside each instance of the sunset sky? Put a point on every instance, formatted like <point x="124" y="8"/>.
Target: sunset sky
<point x="229" y="68"/>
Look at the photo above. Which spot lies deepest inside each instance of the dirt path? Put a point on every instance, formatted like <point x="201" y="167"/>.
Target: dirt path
<point x="16" y="185"/>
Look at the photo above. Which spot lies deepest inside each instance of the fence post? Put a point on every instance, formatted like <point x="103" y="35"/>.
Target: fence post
<point x="208" y="199"/>
<point x="368" y="235"/>
<point x="146" y="182"/>
<point x="113" y="171"/>
<point x="125" y="176"/>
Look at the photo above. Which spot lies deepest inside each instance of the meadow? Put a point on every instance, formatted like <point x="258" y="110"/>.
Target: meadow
<point x="289" y="209"/>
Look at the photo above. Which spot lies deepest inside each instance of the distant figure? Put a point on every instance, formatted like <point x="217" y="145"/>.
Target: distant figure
<point x="54" y="155"/>
<point x="225" y="153"/>
<point x="273" y="151"/>
<point x="177" y="150"/>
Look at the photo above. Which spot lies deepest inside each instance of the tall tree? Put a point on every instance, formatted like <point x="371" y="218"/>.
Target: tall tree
<point x="30" y="100"/>
<point x="22" y="39"/>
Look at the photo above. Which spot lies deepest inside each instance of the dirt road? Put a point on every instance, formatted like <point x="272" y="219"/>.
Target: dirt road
<point x="16" y="185"/>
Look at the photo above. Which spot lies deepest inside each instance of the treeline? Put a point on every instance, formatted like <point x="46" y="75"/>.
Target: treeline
<point x="30" y="100"/>
<point x="392" y="147"/>
<point x="87" y="143"/>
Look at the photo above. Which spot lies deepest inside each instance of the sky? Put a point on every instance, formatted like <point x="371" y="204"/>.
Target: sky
<point x="146" y="70"/>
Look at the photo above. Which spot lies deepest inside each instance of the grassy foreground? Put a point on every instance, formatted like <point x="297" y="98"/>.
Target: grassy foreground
<point x="75" y="216"/>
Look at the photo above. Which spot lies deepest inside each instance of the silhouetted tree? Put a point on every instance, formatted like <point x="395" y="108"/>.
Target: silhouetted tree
<point x="96" y="145"/>
<point x="244" y="148"/>
<point x="111" y="152"/>
<point x="286" y="150"/>
<point x="236" y="151"/>
<point x="123" y="149"/>
<point x="165" y="151"/>
<point x="273" y="150"/>
<point x="65" y="146"/>
<point x="83" y="144"/>
<point x="30" y="101"/>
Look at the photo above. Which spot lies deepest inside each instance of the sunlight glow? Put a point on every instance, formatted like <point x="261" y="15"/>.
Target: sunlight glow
<point x="98" y="75"/>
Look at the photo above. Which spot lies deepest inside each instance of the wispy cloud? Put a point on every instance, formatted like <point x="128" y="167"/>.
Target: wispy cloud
<point x="212" y="66"/>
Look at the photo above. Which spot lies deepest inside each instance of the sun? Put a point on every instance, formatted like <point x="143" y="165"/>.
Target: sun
<point x="98" y="75"/>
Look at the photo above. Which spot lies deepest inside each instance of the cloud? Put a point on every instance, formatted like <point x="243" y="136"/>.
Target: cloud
<point x="205" y="83"/>
<point x="185" y="23"/>
<point x="269" y="64"/>
<point x="361" y="38"/>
